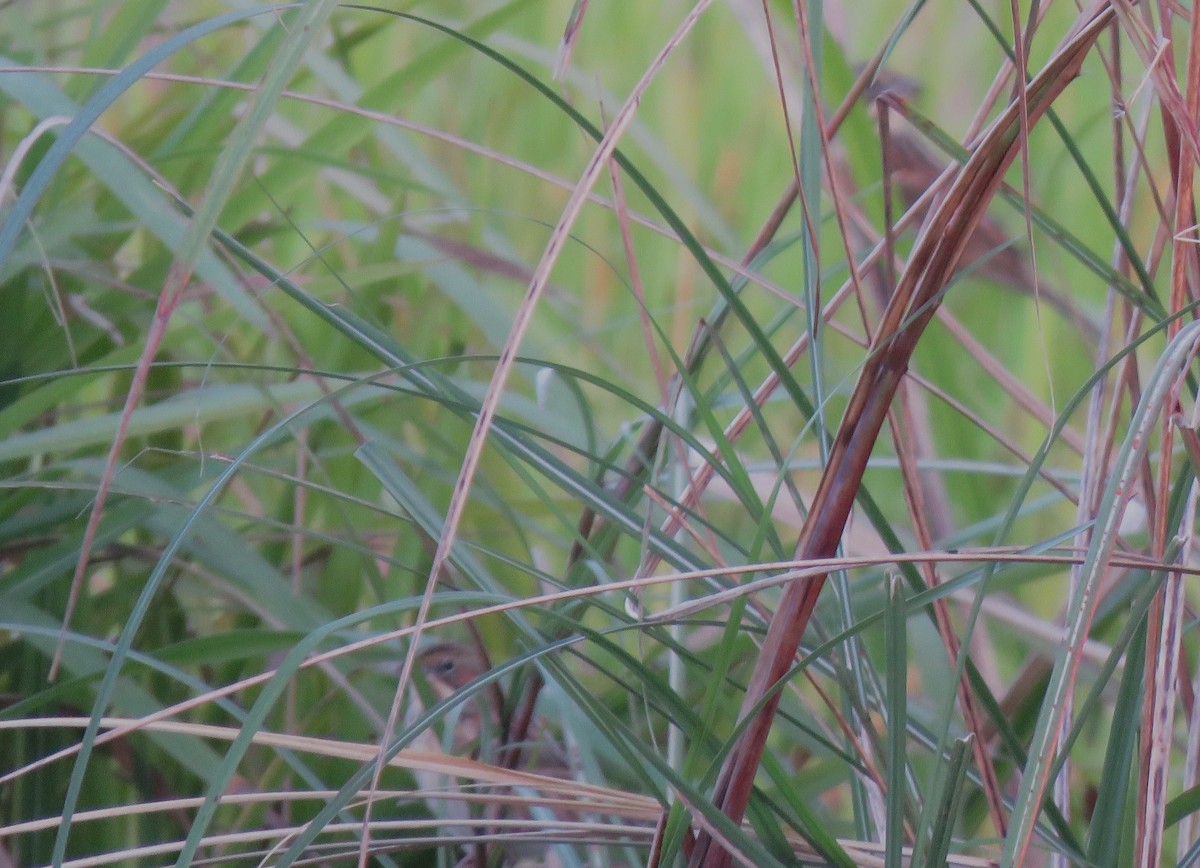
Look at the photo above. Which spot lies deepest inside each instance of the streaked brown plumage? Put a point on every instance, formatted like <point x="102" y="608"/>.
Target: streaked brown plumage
<point x="451" y="666"/>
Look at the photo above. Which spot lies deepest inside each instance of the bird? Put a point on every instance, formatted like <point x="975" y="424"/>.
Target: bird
<point x="452" y="665"/>
<point x="449" y="667"/>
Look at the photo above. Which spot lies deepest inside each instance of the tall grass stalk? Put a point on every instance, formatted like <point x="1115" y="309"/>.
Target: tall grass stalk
<point x="510" y="432"/>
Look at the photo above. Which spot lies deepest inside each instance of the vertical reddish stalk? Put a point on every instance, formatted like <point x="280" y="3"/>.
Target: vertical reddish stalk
<point x="912" y="305"/>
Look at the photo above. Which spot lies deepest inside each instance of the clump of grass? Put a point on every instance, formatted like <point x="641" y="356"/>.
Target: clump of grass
<point x="702" y="436"/>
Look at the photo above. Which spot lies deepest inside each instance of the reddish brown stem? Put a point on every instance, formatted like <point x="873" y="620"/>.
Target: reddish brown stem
<point x="913" y="304"/>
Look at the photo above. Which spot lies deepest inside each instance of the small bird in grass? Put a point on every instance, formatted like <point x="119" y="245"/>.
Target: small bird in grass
<point x="451" y="666"/>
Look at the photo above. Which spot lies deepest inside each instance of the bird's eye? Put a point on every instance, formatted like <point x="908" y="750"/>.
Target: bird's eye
<point x="443" y="667"/>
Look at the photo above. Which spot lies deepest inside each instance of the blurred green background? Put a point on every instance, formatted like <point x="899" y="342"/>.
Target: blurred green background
<point x="292" y="457"/>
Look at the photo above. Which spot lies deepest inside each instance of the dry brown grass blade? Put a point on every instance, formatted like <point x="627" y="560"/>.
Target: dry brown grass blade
<point x="648" y="443"/>
<point x="596" y="165"/>
<point x="914" y="302"/>
<point x="1166" y="616"/>
<point x="590" y="811"/>
<point x="570" y="35"/>
<point x="172" y="292"/>
<point x="975" y="721"/>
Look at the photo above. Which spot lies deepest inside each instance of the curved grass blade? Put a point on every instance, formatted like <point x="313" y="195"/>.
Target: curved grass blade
<point x="1172" y="365"/>
<point x="73" y="132"/>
